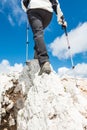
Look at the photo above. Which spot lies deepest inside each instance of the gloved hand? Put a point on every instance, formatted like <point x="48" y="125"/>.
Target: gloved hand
<point x="62" y="21"/>
<point x="60" y="17"/>
<point x="23" y="6"/>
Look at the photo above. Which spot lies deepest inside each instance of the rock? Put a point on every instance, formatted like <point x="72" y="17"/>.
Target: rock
<point x="19" y="103"/>
<point x="3" y="112"/>
<point x="10" y="105"/>
<point x="51" y="103"/>
<point x="18" y="88"/>
<point x="28" y="74"/>
<point x="11" y="121"/>
<point x="44" y="102"/>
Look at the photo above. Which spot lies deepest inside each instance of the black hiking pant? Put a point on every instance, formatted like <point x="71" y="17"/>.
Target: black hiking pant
<point x="39" y="20"/>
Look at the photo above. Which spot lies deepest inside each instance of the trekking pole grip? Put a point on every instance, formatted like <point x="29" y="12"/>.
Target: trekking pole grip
<point x="65" y="30"/>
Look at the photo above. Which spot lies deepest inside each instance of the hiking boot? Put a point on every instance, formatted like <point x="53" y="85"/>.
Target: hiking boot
<point x="45" y="68"/>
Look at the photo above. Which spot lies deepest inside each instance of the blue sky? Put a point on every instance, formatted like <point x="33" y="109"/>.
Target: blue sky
<point x="13" y="35"/>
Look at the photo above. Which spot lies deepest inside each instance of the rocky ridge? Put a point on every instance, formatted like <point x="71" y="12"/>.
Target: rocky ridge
<point x="47" y="102"/>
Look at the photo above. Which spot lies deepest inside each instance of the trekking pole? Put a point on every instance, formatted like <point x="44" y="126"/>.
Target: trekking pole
<point x="0" y="109"/>
<point x="69" y="48"/>
<point x="68" y="44"/>
<point x="27" y="41"/>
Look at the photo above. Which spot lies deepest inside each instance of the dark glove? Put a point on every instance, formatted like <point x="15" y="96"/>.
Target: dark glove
<point x="24" y="4"/>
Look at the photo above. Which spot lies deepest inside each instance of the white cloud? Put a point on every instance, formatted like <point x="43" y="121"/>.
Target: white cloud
<point x="14" y="10"/>
<point x="11" y="20"/>
<point x="5" y="67"/>
<point x="77" y="40"/>
<point x="80" y="70"/>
